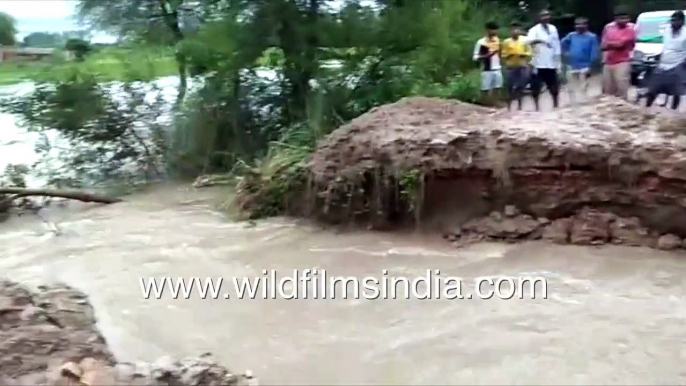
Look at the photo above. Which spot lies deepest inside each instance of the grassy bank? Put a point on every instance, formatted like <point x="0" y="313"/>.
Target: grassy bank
<point x="110" y="64"/>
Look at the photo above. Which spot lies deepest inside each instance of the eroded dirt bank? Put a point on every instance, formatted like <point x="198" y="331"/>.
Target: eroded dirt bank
<point x="602" y="172"/>
<point x="49" y="337"/>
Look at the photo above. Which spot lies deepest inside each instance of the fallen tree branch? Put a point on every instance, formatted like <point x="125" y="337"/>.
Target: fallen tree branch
<point x="69" y="194"/>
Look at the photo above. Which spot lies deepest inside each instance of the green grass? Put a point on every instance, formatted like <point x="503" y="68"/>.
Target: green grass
<point x="110" y="64"/>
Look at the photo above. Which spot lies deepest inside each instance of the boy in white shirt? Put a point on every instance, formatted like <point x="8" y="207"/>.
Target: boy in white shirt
<point x="487" y="52"/>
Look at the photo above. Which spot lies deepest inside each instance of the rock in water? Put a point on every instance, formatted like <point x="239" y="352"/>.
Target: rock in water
<point x="669" y="242"/>
<point x="71" y="370"/>
<point x="48" y="337"/>
<point x="511" y="211"/>
<point x="629" y="231"/>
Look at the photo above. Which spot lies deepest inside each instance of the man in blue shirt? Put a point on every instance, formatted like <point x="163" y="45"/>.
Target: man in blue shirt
<point x="579" y="49"/>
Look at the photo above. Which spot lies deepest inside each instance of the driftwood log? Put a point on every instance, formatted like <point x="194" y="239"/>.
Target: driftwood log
<point x="13" y="193"/>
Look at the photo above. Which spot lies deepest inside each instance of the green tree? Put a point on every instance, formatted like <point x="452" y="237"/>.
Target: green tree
<point x="79" y="47"/>
<point x="8" y="30"/>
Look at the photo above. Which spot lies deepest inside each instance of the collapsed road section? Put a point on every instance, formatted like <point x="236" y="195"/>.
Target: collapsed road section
<point x="601" y="172"/>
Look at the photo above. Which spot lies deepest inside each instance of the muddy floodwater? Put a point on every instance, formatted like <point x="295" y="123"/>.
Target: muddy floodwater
<point x="614" y="315"/>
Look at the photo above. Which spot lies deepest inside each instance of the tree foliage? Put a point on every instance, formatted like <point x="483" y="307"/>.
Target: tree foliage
<point x="8" y="29"/>
<point x="157" y="21"/>
<point x="79" y="47"/>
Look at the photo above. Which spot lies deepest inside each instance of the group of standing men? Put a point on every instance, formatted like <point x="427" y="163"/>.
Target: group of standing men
<point x="536" y="59"/>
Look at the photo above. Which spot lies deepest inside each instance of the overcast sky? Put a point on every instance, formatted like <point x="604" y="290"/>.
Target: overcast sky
<point x="48" y="16"/>
<point x="45" y="16"/>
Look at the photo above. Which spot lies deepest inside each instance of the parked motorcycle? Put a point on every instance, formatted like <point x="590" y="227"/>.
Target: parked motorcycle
<point x="646" y="68"/>
<point x="645" y="71"/>
<point x="641" y="74"/>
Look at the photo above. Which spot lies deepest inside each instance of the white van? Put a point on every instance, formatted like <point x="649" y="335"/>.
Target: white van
<point x="649" y="29"/>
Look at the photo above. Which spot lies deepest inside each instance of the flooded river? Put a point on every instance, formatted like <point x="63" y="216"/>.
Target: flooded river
<point x="613" y="315"/>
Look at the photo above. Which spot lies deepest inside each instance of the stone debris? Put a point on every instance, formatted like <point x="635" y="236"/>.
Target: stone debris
<point x="49" y="337"/>
<point x="72" y="370"/>
<point x="559" y="231"/>
<point x="196" y="371"/>
<point x="591" y="227"/>
<point x="497" y="226"/>
<point x="629" y="231"/>
<point x="587" y="227"/>
<point x="511" y="211"/>
<point x="669" y="242"/>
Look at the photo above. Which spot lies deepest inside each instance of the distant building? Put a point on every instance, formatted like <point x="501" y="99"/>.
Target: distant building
<point x="25" y="54"/>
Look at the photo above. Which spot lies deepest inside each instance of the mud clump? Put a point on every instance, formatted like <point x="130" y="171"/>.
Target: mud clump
<point x="502" y="226"/>
<point x="49" y="337"/>
<point x="601" y="172"/>
<point x="669" y="242"/>
<point x="588" y="227"/>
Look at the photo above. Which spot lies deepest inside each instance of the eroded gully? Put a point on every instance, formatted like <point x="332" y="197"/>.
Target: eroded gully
<point x="613" y="314"/>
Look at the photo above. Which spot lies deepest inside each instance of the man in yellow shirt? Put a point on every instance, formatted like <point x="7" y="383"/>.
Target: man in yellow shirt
<point x="516" y="53"/>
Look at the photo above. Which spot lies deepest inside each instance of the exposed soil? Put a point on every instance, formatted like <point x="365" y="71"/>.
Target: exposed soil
<point x="49" y="337"/>
<point x="602" y="172"/>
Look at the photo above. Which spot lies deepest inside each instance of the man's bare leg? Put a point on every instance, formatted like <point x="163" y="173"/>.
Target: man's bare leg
<point x="666" y="102"/>
<point x="497" y="94"/>
<point x="676" y="101"/>
<point x="585" y="81"/>
<point x="571" y="87"/>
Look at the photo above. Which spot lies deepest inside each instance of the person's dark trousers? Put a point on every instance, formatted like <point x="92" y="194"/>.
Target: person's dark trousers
<point x="669" y="82"/>
<point x="517" y="78"/>
<point x="547" y="76"/>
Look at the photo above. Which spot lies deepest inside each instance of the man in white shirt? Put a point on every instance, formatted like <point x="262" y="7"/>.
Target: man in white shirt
<point x="487" y="52"/>
<point x="545" y="42"/>
<point x="670" y="75"/>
